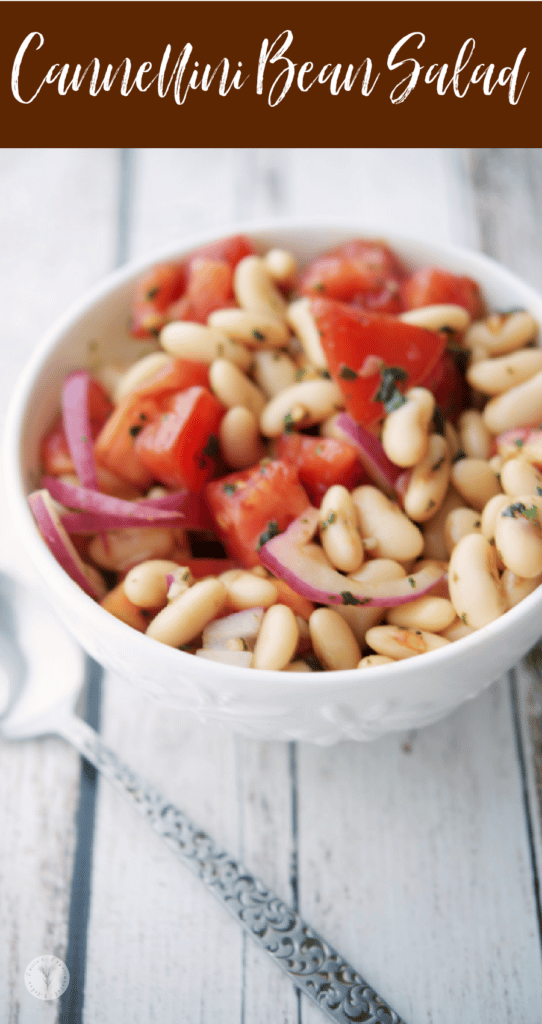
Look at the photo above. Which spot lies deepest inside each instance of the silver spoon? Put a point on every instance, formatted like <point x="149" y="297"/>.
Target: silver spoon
<point x="41" y="674"/>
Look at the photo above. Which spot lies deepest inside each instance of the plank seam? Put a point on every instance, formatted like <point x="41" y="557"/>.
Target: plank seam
<point x="526" y="802"/>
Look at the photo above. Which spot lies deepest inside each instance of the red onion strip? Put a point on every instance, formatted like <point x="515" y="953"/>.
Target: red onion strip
<point x="59" y="543"/>
<point x="382" y="472"/>
<point x="77" y="426"/>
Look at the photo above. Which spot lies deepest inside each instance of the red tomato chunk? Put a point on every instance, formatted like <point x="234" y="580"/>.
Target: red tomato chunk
<point x="179" y="446"/>
<point x="253" y="505"/>
<point x="431" y="286"/>
<point x="321" y="462"/>
<point x="364" y="273"/>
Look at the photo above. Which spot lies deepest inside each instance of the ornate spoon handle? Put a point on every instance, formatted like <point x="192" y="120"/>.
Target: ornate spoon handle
<point x="312" y="964"/>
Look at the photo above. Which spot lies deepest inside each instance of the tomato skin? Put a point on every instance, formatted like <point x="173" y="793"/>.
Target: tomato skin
<point x="349" y="336"/>
<point x="243" y="504"/>
<point x="115" y="445"/>
<point x="175" y="375"/>
<point x="448" y="386"/>
<point x="156" y="291"/>
<point x="172" y="446"/>
<point x="209" y="287"/>
<point x="362" y="272"/>
<point x="432" y="286"/>
<point x="321" y="462"/>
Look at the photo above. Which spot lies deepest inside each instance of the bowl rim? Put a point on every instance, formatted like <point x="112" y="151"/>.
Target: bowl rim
<point x="47" y="565"/>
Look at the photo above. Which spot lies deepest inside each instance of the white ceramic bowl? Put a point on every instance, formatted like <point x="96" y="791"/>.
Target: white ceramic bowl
<point x="321" y="708"/>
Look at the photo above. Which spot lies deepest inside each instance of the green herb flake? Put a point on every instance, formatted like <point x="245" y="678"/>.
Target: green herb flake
<point x="152" y="293"/>
<point x="327" y="522"/>
<point x="519" y="442"/>
<point x="388" y="392"/>
<point x="83" y="439"/>
<point x="229" y="488"/>
<point x="288" y="423"/>
<point x="319" y="286"/>
<point x="325" y="374"/>
<point x="464" y="619"/>
<point x="438" y="464"/>
<point x="135" y="430"/>
<point x="258" y="335"/>
<point x="271" y="531"/>
<point x="460" y="454"/>
<point x="299" y="374"/>
<point x="347" y="373"/>
<point x="412" y="581"/>
<point x="348" y="598"/>
<point x="519" y="509"/>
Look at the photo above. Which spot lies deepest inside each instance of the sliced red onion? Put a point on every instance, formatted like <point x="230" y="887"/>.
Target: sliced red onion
<point x="192" y="505"/>
<point x="243" y="625"/>
<point x="77" y="426"/>
<point x="381" y="471"/>
<point x="98" y="522"/>
<point x="106" y="512"/>
<point x="305" y="567"/>
<point x="59" y="543"/>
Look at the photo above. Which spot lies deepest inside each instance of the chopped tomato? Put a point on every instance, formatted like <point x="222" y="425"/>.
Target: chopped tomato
<point x="115" y="445"/>
<point x="362" y="272"/>
<point x="321" y="462"/>
<point x="178" y="447"/>
<point x="253" y="505"/>
<point x="181" y="290"/>
<point x="448" y="386"/>
<point x="175" y="375"/>
<point x="431" y="286"/>
<point x="201" y="567"/>
<point x="359" y="344"/>
<point x="209" y="287"/>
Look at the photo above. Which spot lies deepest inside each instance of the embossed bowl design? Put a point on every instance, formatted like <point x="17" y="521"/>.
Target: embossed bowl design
<point x="322" y="707"/>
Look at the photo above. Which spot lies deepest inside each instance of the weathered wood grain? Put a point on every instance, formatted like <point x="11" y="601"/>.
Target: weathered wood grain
<point x="57" y="227"/>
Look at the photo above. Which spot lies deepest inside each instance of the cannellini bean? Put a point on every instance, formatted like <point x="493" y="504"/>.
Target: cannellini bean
<point x="254" y="288"/>
<point x="501" y="333"/>
<point x="372" y="660"/>
<point x="303" y="404"/>
<point x="457" y="631"/>
<point x="516" y="588"/>
<point x="273" y="371"/>
<point x="518" y="536"/>
<point x="243" y="659"/>
<point x="302" y="322"/>
<point x="518" y="476"/>
<point x="452" y="439"/>
<point x="379" y="518"/>
<point x="433" y="528"/>
<point x="186" y="616"/>
<point x="378" y="570"/>
<point x="475" y="590"/>
<point x="118" y="604"/>
<point x="405" y="434"/>
<point x="476" y="481"/>
<point x="458" y="523"/>
<point x="438" y="317"/>
<point x="333" y="641"/>
<point x="277" y="639"/>
<point x="475" y="438"/>
<point x="232" y="387"/>
<point x="518" y="407"/>
<point x="339" y="531"/>
<point x="496" y="462"/>
<point x="428" y="481"/>
<point x="427" y="613"/>
<point x="253" y="329"/>
<point x="129" y="546"/>
<point x="138" y="373"/>
<point x="203" y="344"/>
<point x="245" y="590"/>
<point x="493" y="376"/>
<point x="398" y="642"/>
<point x="239" y="438"/>
<point x="281" y="265"/>
<point x="491" y="510"/>
<point x="146" y="584"/>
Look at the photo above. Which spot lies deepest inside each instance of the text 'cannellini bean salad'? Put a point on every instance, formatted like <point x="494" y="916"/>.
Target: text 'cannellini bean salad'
<point x="326" y="468"/>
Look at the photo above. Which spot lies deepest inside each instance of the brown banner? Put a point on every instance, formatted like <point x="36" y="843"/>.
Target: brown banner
<point x="271" y="74"/>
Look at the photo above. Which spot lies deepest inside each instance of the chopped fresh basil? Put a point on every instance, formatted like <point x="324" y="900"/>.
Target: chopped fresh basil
<point x="271" y="531"/>
<point x="347" y="373"/>
<point x="388" y="392"/>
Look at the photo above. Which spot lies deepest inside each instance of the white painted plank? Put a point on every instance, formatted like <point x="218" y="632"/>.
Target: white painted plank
<point x="56" y="228"/>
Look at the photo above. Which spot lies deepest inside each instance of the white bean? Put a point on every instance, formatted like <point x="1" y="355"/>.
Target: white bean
<point x="277" y="639"/>
<point x="457" y="631"/>
<point x="273" y="371"/>
<point x="476" y="481"/>
<point x="373" y="660"/>
<point x="301" y="321"/>
<point x="458" y="523"/>
<point x="518" y="536"/>
<point x="186" y="616"/>
<point x="254" y="288"/>
<point x="379" y="518"/>
<point x="333" y="641"/>
<point x="494" y="376"/>
<point x="254" y="329"/>
<point x="303" y="404"/>
<point x="239" y="438"/>
<point x="518" y="407"/>
<point x="146" y="584"/>
<point x="281" y="265"/>
<point x="232" y="387"/>
<point x="475" y="438"/>
<point x="246" y="590"/>
<point x="202" y="344"/>
<point x="433" y="528"/>
<point x="501" y="333"/>
<point x="491" y="510"/>
<point x="405" y="434"/>
<point x="475" y="590"/>
<point x="397" y="642"/>
<point x="428" y="481"/>
<point x="339" y="531"/>
<point x="516" y="588"/>
<point x="438" y="317"/>
<point x="427" y="613"/>
<point x="141" y="371"/>
<point x="518" y="476"/>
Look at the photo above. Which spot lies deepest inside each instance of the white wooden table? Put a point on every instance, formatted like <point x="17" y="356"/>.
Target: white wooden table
<point x="418" y="857"/>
